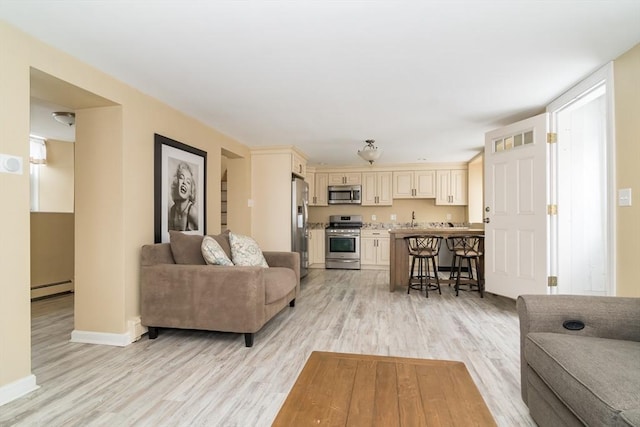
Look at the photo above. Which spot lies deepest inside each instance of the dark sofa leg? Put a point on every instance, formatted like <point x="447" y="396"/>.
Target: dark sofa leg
<point x="248" y="340"/>
<point x="153" y="333"/>
<point x="292" y="303"/>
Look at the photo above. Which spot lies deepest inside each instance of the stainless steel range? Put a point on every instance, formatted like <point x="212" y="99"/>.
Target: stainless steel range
<point x="343" y="242"/>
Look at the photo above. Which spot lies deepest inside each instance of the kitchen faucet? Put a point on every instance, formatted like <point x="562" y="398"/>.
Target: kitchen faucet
<point x="413" y="219"/>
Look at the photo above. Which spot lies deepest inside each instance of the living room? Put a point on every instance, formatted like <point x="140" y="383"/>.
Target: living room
<point x="114" y="197"/>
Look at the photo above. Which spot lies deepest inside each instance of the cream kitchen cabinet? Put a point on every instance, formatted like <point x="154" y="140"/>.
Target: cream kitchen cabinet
<point x="374" y="248"/>
<point x="451" y="187"/>
<point x="298" y="165"/>
<point x="376" y="189"/>
<point x="316" y="247"/>
<point x="318" y="194"/>
<point x="345" y="178"/>
<point x="414" y="184"/>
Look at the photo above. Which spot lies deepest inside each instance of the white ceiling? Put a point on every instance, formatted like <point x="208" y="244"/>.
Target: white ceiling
<point x="425" y="79"/>
<point x="44" y="125"/>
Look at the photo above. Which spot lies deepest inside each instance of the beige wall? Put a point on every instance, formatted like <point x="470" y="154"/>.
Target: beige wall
<point x="271" y="195"/>
<point x="52" y="236"/>
<point x="114" y="191"/>
<point x="627" y="115"/>
<point x="15" y="321"/>
<point x="239" y="182"/>
<point x="475" y="208"/>
<point x="56" y="178"/>
<point x="425" y="209"/>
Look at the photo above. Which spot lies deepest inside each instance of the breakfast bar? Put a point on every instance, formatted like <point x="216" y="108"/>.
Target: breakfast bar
<point x="399" y="255"/>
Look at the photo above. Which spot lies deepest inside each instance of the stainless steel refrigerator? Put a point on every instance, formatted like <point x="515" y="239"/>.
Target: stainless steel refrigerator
<point x="299" y="226"/>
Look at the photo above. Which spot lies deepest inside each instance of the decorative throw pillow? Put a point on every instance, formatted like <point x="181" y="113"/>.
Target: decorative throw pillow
<point x="213" y="253"/>
<point x="223" y="241"/>
<point x="245" y="251"/>
<point x="186" y="248"/>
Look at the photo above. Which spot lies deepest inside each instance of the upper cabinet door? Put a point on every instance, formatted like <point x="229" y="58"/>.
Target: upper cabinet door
<point x="311" y="180"/>
<point x="376" y="189"/>
<point x="298" y="165"/>
<point x="414" y="184"/>
<point x="321" y="189"/>
<point x="369" y="188"/>
<point x="425" y="184"/>
<point x="345" y="178"/>
<point x="385" y="184"/>
<point x="452" y="187"/>
<point x="403" y="185"/>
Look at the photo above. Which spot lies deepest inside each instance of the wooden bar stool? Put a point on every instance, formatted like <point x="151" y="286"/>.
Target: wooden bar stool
<point x="454" y="244"/>
<point x="470" y="249"/>
<point x="424" y="249"/>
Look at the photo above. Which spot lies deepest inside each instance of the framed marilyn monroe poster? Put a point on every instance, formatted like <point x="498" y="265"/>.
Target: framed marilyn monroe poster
<point x="180" y="176"/>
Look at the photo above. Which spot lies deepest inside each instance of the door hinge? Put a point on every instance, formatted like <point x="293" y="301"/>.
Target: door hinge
<point x="552" y="137"/>
<point x="552" y="281"/>
<point x="552" y="209"/>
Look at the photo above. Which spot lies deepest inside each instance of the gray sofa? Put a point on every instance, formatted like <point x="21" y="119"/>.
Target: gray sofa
<point x="573" y="376"/>
<point x="178" y="289"/>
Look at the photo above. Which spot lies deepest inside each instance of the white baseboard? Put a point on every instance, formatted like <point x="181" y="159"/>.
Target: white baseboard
<point x="104" y="338"/>
<point x="16" y="389"/>
<point x="135" y="328"/>
<point x="44" y="291"/>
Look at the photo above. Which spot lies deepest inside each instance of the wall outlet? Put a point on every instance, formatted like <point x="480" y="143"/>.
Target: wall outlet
<point x="624" y="197"/>
<point x="10" y="164"/>
<point x="448" y="217"/>
<point x="374" y="217"/>
<point x="393" y="217"/>
<point x="250" y="203"/>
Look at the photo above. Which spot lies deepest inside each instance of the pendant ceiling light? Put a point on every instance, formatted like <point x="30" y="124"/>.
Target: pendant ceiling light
<point x="370" y="152"/>
<point x="64" y="117"/>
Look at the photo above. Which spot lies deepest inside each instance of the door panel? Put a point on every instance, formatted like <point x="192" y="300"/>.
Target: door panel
<point x="525" y="186"/>
<point x="516" y="211"/>
<point x="526" y="254"/>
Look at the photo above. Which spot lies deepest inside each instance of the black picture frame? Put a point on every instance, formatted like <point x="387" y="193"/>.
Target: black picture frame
<point x="188" y="212"/>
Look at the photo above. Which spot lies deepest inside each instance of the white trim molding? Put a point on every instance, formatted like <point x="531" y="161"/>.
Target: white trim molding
<point x="17" y="389"/>
<point x="103" y="338"/>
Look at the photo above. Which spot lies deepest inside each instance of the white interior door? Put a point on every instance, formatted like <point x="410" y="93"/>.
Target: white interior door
<point x="516" y="230"/>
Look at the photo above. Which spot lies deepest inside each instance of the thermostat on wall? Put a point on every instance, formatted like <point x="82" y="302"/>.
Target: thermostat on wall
<point x="10" y="164"/>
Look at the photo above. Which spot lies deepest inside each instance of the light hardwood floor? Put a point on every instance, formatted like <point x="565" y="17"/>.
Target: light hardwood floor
<point x="200" y="378"/>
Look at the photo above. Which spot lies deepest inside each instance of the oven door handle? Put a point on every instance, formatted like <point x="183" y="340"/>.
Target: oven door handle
<point x="343" y="235"/>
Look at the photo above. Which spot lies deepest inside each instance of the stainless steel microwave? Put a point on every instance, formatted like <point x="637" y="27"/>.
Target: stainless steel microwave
<point x="345" y="194"/>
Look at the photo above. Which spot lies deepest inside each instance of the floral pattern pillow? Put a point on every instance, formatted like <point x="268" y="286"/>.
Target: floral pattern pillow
<point x="245" y="251"/>
<point x="213" y="253"/>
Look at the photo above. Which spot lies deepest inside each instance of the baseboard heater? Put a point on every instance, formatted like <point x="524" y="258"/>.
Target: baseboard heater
<point x="49" y="289"/>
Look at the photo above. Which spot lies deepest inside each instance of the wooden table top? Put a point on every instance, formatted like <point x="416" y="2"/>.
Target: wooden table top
<point x="340" y="389"/>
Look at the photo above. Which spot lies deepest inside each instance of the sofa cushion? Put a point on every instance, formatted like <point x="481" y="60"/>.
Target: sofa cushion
<point x="597" y="378"/>
<point x="245" y="251"/>
<point x="186" y="248"/>
<point x="223" y="241"/>
<point x="278" y="282"/>
<point x="631" y="417"/>
<point x="213" y="253"/>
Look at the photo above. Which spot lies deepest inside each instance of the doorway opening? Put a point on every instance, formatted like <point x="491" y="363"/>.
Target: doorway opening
<point x="582" y="120"/>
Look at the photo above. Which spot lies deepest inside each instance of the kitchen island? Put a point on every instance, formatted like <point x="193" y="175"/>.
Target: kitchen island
<point x="399" y="255"/>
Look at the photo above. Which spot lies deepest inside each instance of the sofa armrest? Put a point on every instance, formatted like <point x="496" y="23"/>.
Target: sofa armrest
<point x="284" y="259"/>
<point x="159" y="253"/>
<point x="603" y="317"/>
<point x="209" y="297"/>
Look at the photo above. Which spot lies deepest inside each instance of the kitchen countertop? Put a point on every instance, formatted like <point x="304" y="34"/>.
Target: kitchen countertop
<point x="437" y="230"/>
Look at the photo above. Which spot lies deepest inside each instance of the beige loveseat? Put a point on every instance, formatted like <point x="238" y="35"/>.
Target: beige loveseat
<point x="178" y="289"/>
<point x="580" y="359"/>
